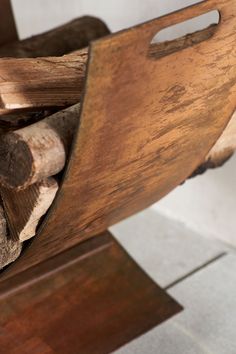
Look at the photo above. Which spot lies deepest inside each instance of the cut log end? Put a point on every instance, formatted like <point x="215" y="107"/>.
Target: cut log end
<point x="16" y="168"/>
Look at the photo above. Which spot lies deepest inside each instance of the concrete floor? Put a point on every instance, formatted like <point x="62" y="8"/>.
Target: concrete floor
<point x="199" y="273"/>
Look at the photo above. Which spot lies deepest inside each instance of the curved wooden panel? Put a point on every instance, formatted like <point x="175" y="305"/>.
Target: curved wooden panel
<point x="145" y="126"/>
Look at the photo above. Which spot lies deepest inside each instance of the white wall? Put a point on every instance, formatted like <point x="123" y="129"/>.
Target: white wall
<point x="207" y="203"/>
<point x="34" y="16"/>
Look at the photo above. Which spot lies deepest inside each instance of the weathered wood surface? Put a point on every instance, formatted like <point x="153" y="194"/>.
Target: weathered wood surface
<point x="100" y="299"/>
<point x="8" y="31"/>
<point x="59" y="41"/>
<point x="38" y="151"/>
<point x="24" y="209"/>
<point x="58" y="82"/>
<point x="72" y="36"/>
<point x="39" y="84"/>
<point x="9" y="249"/>
<point x="145" y="126"/>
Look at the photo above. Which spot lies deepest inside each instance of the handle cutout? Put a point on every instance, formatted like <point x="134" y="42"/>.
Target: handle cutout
<point x="183" y="35"/>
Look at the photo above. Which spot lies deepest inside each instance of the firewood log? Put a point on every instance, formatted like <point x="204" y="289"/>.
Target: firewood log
<point x="9" y="249"/>
<point x="59" y="41"/>
<point x="37" y="84"/>
<point x="38" y="151"/>
<point x="25" y="208"/>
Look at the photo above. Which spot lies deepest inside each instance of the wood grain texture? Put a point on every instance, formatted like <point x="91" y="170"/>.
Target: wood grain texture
<point x="8" y="31"/>
<point x="39" y="84"/>
<point x="24" y="209"/>
<point x="91" y="299"/>
<point x="145" y="126"/>
<point x="37" y="151"/>
<point x="59" y="41"/>
<point x="9" y="249"/>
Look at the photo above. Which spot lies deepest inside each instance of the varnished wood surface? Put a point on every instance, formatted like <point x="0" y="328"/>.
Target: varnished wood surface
<point x="145" y="126"/>
<point x="92" y="299"/>
<point x="8" y="31"/>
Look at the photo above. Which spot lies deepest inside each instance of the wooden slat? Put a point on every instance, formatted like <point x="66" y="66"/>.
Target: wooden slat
<point x="8" y="31"/>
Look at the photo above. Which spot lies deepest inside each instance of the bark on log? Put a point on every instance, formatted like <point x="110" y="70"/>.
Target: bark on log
<point x="59" y="41"/>
<point x="24" y="209"/>
<point x="38" y="151"/>
<point x="43" y="83"/>
<point x="9" y="249"/>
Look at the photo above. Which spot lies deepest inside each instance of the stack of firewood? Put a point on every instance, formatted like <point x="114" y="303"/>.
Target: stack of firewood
<point x="39" y="113"/>
<point x="36" y="125"/>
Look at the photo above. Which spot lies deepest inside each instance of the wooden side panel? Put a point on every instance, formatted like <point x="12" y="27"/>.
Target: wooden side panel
<point x="8" y="31"/>
<point x="82" y="305"/>
<point x="145" y="126"/>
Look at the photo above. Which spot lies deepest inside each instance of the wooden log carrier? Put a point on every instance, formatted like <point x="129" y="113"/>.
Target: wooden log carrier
<point x="144" y="126"/>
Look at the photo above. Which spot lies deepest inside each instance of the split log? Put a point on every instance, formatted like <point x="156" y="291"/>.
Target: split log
<point x="9" y="249"/>
<point x="59" y="41"/>
<point x="38" y="151"/>
<point x="58" y="82"/>
<point x="38" y="84"/>
<point x="24" y="209"/>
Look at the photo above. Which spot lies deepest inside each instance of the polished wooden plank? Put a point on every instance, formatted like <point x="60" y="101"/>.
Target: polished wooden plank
<point x="91" y="299"/>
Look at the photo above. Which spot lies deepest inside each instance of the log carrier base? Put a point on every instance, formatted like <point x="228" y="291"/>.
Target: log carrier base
<point x="92" y="298"/>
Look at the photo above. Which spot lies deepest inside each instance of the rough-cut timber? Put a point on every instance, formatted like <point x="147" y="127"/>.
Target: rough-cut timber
<point x="69" y="37"/>
<point x="9" y="249"/>
<point x="39" y="84"/>
<point x="59" y="41"/>
<point x="38" y="151"/>
<point x="25" y="208"/>
<point x="145" y="126"/>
